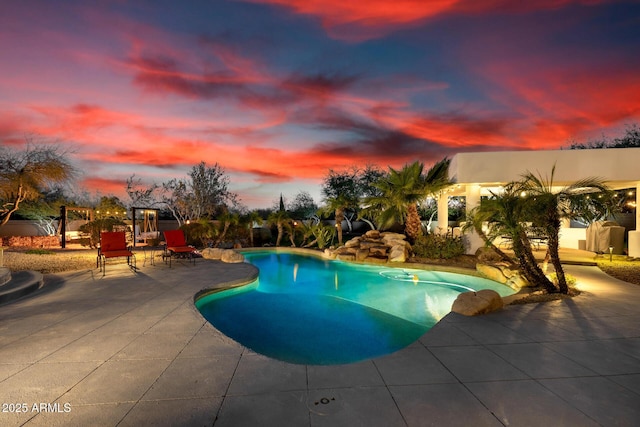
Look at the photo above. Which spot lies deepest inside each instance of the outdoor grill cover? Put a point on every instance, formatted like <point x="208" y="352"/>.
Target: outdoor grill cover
<point x="603" y="234"/>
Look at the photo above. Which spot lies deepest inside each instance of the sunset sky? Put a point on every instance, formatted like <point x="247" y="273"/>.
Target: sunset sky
<point x="279" y="91"/>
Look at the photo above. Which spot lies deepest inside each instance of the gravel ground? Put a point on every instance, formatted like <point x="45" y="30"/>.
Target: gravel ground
<point x="55" y="261"/>
<point x="629" y="271"/>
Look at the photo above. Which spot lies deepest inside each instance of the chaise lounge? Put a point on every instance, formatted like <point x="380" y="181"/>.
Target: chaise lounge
<point x="176" y="246"/>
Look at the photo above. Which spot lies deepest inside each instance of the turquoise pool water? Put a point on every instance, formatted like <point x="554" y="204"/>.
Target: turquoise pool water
<point x="307" y="310"/>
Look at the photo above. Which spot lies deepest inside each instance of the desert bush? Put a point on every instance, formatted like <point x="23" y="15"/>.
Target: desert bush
<point x="94" y="228"/>
<point x="571" y="280"/>
<point x="40" y="252"/>
<point x="438" y="246"/>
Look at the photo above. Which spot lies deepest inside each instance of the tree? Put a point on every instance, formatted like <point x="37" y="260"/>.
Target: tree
<point x="630" y="139"/>
<point x="282" y="222"/>
<point x="508" y="214"/>
<point x="341" y="191"/>
<point x="46" y="209"/>
<point x="249" y="220"/>
<point x="25" y="175"/>
<point x="344" y="191"/>
<point x="551" y="206"/>
<point x="110" y="207"/>
<point x="140" y="194"/>
<point x="210" y="192"/>
<point x="534" y="206"/>
<point x="303" y="206"/>
<point x="228" y="219"/>
<point x="204" y="194"/>
<point x="175" y="196"/>
<point x="402" y="190"/>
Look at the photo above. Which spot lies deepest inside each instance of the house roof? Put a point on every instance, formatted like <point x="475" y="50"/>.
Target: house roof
<point x="619" y="167"/>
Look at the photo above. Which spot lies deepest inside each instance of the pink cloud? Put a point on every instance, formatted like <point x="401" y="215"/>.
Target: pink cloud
<point x="359" y="21"/>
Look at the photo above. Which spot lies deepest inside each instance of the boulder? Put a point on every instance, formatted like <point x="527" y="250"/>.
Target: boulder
<point x="362" y="254"/>
<point x="485" y="254"/>
<point x="346" y="257"/>
<point x="491" y="272"/>
<point x="398" y="253"/>
<point x="475" y="303"/>
<point x="387" y="235"/>
<point x="377" y="259"/>
<point x="346" y="251"/>
<point x="367" y="244"/>
<point x="212" y="253"/>
<point x="328" y="253"/>
<point x="352" y="243"/>
<point x="378" y="250"/>
<point x="518" y="282"/>
<point x="372" y="234"/>
<point x="231" y="256"/>
<point x="507" y="272"/>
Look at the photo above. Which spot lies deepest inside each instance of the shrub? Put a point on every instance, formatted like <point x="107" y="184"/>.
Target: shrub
<point x="571" y="280"/>
<point x="40" y="252"/>
<point x="438" y="246"/>
<point x="94" y="228"/>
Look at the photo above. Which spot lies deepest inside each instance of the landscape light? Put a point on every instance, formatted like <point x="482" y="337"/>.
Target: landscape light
<point x="610" y="253"/>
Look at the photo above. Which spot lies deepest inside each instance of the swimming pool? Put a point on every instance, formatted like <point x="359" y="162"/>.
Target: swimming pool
<point x="308" y="310"/>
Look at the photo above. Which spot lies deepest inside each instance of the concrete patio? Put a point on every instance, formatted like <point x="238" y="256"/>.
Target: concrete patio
<point x="130" y="349"/>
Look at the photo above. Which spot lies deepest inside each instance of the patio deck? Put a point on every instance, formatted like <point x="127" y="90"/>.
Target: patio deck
<point x="131" y="349"/>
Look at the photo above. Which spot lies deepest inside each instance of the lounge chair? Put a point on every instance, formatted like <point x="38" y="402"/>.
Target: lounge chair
<point x="176" y="246"/>
<point x="113" y="244"/>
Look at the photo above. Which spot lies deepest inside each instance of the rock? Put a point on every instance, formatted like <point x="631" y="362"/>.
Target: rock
<point x="379" y="250"/>
<point x="346" y="257"/>
<point x="231" y="256"/>
<point x="491" y="272"/>
<point x="393" y="239"/>
<point x="367" y="244"/>
<point x="377" y="259"/>
<point x="362" y="254"/>
<point x="398" y="253"/>
<point x="372" y="234"/>
<point x="328" y="253"/>
<point x="485" y="254"/>
<point x="518" y="282"/>
<point x="212" y="253"/>
<point x="475" y="303"/>
<point x="503" y="274"/>
<point x="352" y="243"/>
<point x="346" y="251"/>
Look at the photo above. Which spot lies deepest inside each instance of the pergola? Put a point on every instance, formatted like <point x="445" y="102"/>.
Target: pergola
<point x="477" y="174"/>
<point x="149" y="224"/>
<point x="88" y="214"/>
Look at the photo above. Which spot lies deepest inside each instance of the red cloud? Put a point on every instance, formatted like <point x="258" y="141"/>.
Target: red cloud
<point x="363" y="20"/>
<point x="104" y="185"/>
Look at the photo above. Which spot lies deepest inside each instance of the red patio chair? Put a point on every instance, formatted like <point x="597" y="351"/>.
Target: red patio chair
<point x="113" y="244"/>
<point x="176" y="245"/>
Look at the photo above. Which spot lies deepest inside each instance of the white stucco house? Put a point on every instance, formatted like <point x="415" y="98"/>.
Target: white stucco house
<point x="476" y="174"/>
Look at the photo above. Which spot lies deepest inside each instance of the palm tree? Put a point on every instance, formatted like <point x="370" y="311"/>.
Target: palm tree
<point x="251" y="218"/>
<point x="507" y="214"/>
<point x="281" y="220"/>
<point x="228" y="219"/>
<point x="552" y="206"/>
<point x="337" y="205"/>
<point x="401" y="191"/>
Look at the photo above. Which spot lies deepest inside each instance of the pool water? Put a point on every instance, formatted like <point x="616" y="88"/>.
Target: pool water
<point x="308" y="310"/>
